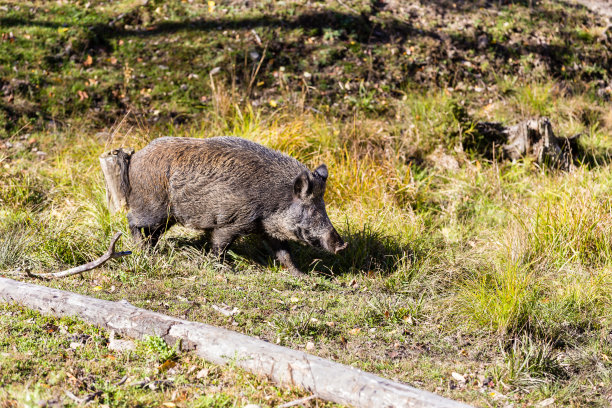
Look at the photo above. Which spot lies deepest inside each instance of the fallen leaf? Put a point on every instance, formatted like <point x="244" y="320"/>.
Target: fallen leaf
<point x="202" y="373"/>
<point x="407" y="319"/>
<point x="113" y="60"/>
<point x="82" y="95"/>
<point x="497" y="395"/>
<point x="168" y="364"/>
<point x="273" y="103"/>
<point x="88" y="61"/>
<point x="97" y="288"/>
<point x="546" y="402"/>
<point x="355" y="331"/>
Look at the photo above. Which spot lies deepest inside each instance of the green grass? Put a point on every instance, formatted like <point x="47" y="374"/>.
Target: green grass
<point x="42" y="359"/>
<point x="457" y="261"/>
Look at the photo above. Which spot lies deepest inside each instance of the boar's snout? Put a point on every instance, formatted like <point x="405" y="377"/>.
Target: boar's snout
<point x="334" y="242"/>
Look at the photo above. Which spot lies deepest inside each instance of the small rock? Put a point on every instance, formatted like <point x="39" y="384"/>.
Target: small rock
<point x="226" y="311"/>
<point x="310" y="346"/>
<point x="458" y="377"/>
<point x="121" y="345"/>
<point x="75" y="345"/>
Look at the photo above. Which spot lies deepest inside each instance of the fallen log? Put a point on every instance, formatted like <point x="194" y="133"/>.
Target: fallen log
<point x="326" y="379"/>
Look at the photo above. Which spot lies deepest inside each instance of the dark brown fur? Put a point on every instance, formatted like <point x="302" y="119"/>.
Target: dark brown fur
<point x="231" y="187"/>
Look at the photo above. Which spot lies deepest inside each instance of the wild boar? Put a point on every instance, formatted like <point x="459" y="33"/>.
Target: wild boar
<point x="229" y="187"/>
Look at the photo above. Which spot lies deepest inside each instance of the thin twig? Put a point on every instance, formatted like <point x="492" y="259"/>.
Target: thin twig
<point x="110" y="254"/>
<point x="74" y="397"/>
<point x="121" y="381"/>
<point x="117" y="128"/>
<point x="348" y="7"/>
<point x="88" y="398"/>
<point x="256" y="71"/>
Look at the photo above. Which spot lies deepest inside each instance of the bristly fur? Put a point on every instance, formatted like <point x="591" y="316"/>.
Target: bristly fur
<point x="232" y="187"/>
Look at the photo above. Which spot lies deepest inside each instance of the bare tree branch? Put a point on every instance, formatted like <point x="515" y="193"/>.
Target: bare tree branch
<point x="110" y="254"/>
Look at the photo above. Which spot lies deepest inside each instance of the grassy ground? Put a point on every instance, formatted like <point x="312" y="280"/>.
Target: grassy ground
<point x="52" y="362"/>
<point x="481" y="280"/>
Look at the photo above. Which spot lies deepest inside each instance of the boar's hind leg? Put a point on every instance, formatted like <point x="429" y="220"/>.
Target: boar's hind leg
<point x="148" y="234"/>
<point x="282" y="253"/>
<point x="137" y="235"/>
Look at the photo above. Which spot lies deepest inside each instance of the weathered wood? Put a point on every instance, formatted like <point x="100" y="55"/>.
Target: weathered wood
<point x="324" y="378"/>
<point x="109" y="254"/>
<point x="112" y="163"/>
<point x="533" y="138"/>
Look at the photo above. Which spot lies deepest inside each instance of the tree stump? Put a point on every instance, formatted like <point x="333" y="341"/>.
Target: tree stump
<point x="532" y="138"/>
<point x="115" y="165"/>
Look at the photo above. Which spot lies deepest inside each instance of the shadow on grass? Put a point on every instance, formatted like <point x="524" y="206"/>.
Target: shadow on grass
<point x="365" y="28"/>
<point x="368" y="252"/>
<point x="371" y="43"/>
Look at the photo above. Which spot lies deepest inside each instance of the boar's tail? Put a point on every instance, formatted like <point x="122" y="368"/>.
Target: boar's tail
<point x="123" y="159"/>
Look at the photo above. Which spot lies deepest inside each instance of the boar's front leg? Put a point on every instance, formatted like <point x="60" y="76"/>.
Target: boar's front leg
<point x="282" y="253"/>
<point x="222" y="238"/>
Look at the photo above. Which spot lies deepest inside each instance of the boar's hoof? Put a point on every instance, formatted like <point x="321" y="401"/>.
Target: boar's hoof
<point x="341" y="247"/>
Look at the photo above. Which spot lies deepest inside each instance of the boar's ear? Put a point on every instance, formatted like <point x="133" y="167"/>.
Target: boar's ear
<point x="302" y="186"/>
<point x="321" y="171"/>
